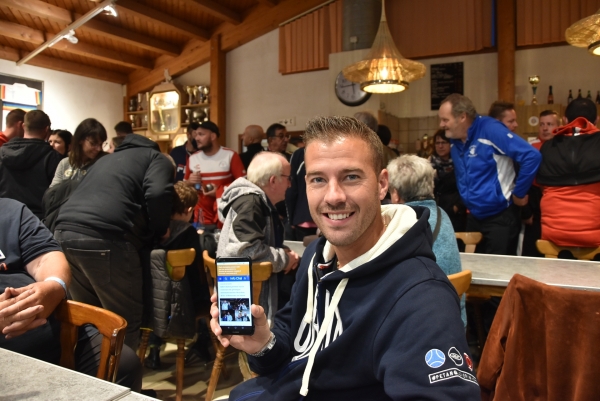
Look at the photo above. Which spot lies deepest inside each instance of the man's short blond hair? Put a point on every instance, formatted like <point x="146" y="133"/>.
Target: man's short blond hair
<point x="331" y="129"/>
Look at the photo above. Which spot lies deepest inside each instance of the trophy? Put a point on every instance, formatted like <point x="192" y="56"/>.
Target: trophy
<point x="205" y="91"/>
<point x="201" y="92"/>
<point x="132" y="119"/>
<point x="534" y="80"/>
<point x="195" y="116"/>
<point x="206" y="111"/>
<point x="190" y="92"/>
<point x="188" y="112"/>
<point x="140" y="98"/>
<point x="195" y="92"/>
<point x="132" y="104"/>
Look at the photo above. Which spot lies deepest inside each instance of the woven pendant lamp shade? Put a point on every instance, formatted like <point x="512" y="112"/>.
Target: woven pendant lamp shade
<point x="384" y="70"/>
<point x="585" y="33"/>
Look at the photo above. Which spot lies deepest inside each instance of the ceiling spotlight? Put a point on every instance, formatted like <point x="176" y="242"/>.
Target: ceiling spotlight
<point x="71" y="37"/>
<point x="110" y="10"/>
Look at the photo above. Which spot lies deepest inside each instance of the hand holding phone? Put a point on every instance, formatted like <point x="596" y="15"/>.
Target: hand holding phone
<point x="250" y="344"/>
<point x="234" y="295"/>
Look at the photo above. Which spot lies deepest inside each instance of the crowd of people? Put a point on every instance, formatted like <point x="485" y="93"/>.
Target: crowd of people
<point x="91" y="211"/>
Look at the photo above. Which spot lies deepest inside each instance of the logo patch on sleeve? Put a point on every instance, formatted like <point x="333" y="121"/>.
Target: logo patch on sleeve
<point x="452" y="373"/>
<point x="455" y="356"/>
<point x="435" y="358"/>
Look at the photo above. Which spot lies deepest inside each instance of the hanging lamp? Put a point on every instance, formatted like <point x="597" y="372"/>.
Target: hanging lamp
<point x="585" y="33"/>
<point x="384" y="70"/>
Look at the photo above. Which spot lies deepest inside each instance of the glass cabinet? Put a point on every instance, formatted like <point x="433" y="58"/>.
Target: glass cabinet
<point x="165" y="109"/>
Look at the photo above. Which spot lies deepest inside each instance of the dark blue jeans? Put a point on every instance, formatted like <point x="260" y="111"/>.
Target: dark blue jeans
<point x="108" y="274"/>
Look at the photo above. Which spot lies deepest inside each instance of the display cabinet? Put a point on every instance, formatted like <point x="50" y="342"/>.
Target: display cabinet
<point x="165" y="109"/>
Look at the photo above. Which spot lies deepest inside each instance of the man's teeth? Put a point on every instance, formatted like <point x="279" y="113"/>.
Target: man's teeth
<point x="338" y="216"/>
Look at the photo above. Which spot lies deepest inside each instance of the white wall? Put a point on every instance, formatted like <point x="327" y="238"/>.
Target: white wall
<point x="69" y="99"/>
<point x="258" y="94"/>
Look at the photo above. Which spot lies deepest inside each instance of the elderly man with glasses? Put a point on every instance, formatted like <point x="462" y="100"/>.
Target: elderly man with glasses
<point x="277" y="139"/>
<point x="252" y="226"/>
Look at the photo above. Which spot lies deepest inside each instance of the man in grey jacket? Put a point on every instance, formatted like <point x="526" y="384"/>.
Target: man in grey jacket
<point x="252" y="226"/>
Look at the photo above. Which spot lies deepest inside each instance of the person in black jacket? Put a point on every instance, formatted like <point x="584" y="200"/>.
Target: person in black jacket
<point x="295" y="199"/>
<point x="121" y="207"/>
<point x="27" y="164"/>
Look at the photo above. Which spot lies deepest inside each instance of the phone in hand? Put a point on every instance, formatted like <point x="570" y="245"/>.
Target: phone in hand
<point x="234" y="295"/>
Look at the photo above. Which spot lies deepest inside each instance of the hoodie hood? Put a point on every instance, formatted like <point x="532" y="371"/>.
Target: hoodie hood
<point x="577" y="127"/>
<point x="22" y="154"/>
<point x="238" y="188"/>
<point x="137" y="141"/>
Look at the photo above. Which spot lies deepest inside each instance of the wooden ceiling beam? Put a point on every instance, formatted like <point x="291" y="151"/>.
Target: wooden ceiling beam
<point x="30" y="35"/>
<point x="135" y="39"/>
<point x="217" y="10"/>
<point x="8" y="53"/>
<point x="154" y="16"/>
<point x="256" y="24"/>
<point x="60" y="15"/>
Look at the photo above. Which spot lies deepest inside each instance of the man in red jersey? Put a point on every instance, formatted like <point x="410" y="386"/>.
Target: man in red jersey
<point x="210" y="169"/>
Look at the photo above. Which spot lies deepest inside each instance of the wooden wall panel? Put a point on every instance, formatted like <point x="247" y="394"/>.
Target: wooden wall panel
<point x="429" y="28"/>
<point x="305" y="43"/>
<point x="543" y="22"/>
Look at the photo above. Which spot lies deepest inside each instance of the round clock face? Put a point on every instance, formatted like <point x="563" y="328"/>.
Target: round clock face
<point x="349" y="93"/>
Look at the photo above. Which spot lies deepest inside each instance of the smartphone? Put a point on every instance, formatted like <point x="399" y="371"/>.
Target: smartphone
<point x="234" y="295"/>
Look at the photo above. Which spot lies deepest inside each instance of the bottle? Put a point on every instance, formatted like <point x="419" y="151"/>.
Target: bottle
<point x="589" y="95"/>
<point x="570" y="98"/>
<point x="598" y="98"/>
<point x="550" y="96"/>
<point x="579" y="94"/>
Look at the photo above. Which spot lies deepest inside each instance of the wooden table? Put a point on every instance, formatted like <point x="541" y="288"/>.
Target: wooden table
<point x="25" y="378"/>
<point x="492" y="273"/>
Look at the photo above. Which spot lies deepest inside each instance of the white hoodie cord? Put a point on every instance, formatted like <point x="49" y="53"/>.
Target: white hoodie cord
<point x="337" y="295"/>
<point x="310" y="298"/>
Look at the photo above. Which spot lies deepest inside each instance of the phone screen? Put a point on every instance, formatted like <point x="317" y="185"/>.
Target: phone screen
<point x="234" y="295"/>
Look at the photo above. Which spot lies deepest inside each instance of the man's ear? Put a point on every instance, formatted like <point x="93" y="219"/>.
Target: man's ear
<point x="383" y="183"/>
<point x="189" y="209"/>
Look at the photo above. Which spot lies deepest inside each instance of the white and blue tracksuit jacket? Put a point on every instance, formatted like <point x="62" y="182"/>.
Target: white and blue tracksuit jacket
<point x="485" y="167"/>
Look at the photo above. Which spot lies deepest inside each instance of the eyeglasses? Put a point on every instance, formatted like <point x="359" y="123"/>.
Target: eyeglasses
<point x="286" y="136"/>
<point x="94" y="144"/>
<point x="288" y="177"/>
<point x="442" y="143"/>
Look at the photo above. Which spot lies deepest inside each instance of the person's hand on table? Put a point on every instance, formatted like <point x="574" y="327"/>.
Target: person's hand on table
<point x="293" y="261"/>
<point x="250" y="344"/>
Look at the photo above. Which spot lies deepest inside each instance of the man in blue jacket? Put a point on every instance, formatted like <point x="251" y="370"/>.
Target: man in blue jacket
<point x="494" y="169"/>
<point x="372" y="316"/>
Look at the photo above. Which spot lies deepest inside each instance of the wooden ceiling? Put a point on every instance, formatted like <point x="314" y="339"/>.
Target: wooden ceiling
<point x="146" y="37"/>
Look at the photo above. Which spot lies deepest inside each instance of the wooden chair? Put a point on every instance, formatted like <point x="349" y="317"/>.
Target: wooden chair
<point x="551" y="250"/>
<point x="461" y="281"/>
<point x="260" y="272"/>
<point x="72" y="315"/>
<point x="471" y="239"/>
<point x="177" y="262"/>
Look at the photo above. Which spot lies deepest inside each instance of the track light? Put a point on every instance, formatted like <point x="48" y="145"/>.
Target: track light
<point x="111" y="10"/>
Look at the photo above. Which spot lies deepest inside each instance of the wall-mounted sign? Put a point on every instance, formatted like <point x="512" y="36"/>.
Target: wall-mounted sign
<point x="446" y="79"/>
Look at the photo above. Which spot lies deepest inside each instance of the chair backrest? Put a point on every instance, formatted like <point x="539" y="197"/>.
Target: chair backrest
<point x="551" y="250"/>
<point x="461" y="281"/>
<point x="471" y="239"/>
<point x="72" y="315"/>
<point x="260" y="272"/>
<point x="177" y="260"/>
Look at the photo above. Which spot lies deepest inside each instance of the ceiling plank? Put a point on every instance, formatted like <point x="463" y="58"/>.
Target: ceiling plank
<point x="8" y="53"/>
<point x="154" y="16"/>
<point x="130" y="37"/>
<point x="60" y="15"/>
<point x="30" y="35"/>
<point x="217" y="10"/>
<point x="268" y="3"/>
<point x="256" y="24"/>
<point x="101" y="53"/>
<point x="40" y="9"/>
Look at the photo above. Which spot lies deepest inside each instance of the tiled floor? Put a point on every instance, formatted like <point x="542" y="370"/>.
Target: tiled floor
<point x="196" y="377"/>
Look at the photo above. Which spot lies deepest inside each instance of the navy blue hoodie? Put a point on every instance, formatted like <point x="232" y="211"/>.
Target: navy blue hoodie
<point x="396" y="333"/>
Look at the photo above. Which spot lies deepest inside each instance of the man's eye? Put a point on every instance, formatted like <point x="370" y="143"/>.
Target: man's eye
<point x="352" y="177"/>
<point x="317" y="180"/>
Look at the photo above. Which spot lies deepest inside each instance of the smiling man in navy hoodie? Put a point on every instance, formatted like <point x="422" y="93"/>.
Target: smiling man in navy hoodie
<point x="372" y="316"/>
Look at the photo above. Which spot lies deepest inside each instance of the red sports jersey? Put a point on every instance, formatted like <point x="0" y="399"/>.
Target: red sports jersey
<point x="220" y="169"/>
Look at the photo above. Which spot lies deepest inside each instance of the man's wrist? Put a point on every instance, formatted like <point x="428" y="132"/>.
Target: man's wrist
<point x="267" y="347"/>
<point x="59" y="281"/>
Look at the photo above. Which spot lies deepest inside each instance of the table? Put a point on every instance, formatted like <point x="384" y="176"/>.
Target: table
<point x="25" y="378"/>
<point x="492" y="273"/>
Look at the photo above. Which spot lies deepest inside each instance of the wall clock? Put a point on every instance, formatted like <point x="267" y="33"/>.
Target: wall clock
<point x="349" y="92"/>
